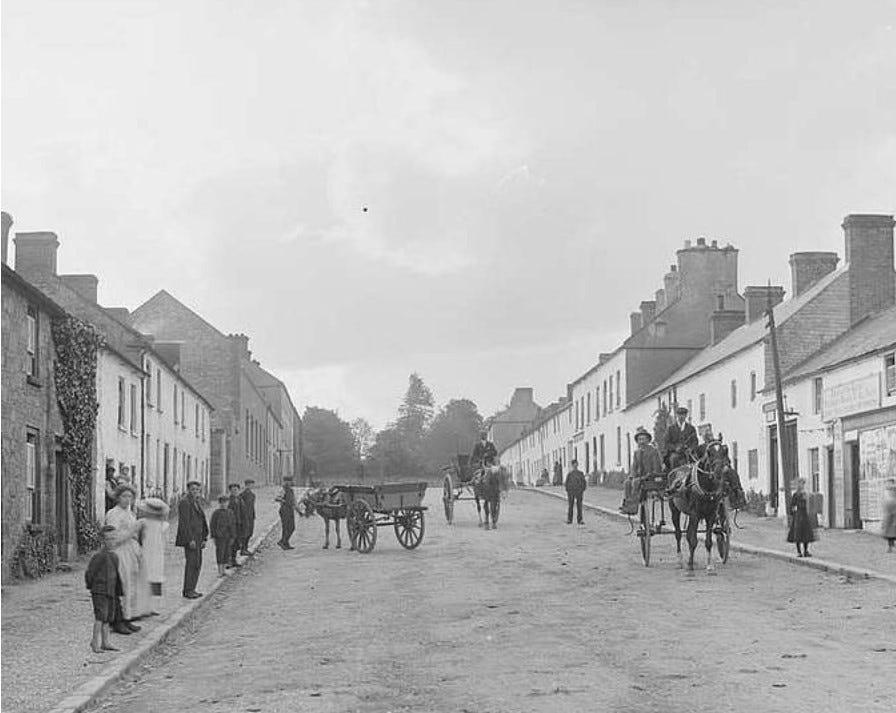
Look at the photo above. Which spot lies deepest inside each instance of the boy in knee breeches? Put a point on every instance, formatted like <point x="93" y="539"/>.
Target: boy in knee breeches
<point x="101" y="578"/>
<point x="223" y="530"/>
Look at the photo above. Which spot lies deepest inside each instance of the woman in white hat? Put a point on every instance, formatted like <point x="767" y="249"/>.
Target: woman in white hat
<point x="125" y="543"/>
<point x="154" y="514"/>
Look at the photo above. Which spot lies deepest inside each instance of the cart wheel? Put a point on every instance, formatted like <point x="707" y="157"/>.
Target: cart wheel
<point x="448" y="498"/>
<point x="645" y="531"/>
<point x="361" y="526"/>
<point x="723" y="536"/>
<point x="409" y="528"/>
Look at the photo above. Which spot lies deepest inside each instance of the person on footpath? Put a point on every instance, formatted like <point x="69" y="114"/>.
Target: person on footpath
<point x="558" y="473"/>
<point x="575" y="490"/>
<point x="192" y="534"/>
<point x="288" y="510"/>
<point x="239" y="517"/>
<point x="888" y="519"/>
<point x="646" y="462"/>
<point x="223" y="531"/>
<point x="124" y="540"/>
<point x="153" y="513"/>
<point x="101" y="578"/>
<point x="802" y="529"/>
<point x="248" y="497"/>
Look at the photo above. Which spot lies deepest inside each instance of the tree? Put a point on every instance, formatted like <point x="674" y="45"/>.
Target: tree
<point x="416" y="411"/>
<point x="329" y="444"/>
<point x="390" y="458"/>
<point x="363" y="437"/>
<point x="453" y="431"/>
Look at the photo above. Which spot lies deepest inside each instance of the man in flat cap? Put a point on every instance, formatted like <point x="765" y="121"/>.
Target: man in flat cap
<point x="681" y="438"/>
<point x="192" y="533"/>
<point x="288" y="510"/>
<point x="248" y="498"/>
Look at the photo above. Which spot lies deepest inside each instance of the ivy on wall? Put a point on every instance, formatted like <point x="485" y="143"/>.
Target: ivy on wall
<point x="77" y="344"/>
<point x="35" y="554"/>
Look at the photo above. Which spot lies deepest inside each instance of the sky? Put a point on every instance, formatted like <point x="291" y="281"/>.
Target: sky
<point x="528" y="169"/>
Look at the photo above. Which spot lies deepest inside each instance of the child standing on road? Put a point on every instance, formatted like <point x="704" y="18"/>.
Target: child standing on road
<point x="223" y="530"/>
<point x="802" y="530"/>
<point x="101" y="578"/>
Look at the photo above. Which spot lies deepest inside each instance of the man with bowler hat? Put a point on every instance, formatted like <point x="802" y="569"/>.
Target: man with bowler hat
<point x="192" y="533"/>
<point x="248" y="498"/>
<point x="645" y="463"/>
<point x="288" y="509"/>
<point x="681" y="438"/>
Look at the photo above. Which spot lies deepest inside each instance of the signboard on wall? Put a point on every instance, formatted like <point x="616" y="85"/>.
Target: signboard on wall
<point x="851" y="397"/>
<point x="877" y="457"/>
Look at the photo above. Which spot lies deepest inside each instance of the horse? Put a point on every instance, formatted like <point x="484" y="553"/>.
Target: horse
<point x="330" y="505"/>
<point x="488" y="484"/>
<point x="699" y="491"/>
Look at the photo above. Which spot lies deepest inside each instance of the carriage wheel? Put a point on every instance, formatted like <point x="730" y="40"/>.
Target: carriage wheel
<point x="361" y="523"/>
<point x="409" y="528"/>
<point x="645" y="531"/>
<point x="448" y="498"/>
<point x="723" y="536"/>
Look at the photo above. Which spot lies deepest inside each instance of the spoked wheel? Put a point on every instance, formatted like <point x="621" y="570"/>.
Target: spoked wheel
<point x="723" y="536"/>
<point x="409" y="528"/>
<point x="645" y="516"/>
<point x="448" y="498"/>
<point x="361" y="526"/>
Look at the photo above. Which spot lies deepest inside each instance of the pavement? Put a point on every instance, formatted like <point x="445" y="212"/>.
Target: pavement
<point x="47" y="663"/>
<point x="856" y="554"/>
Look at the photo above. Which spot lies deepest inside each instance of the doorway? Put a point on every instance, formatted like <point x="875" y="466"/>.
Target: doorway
<point x="832" y="508"/>
<point x="855" y="477"/>
<point x="62" y="506"/>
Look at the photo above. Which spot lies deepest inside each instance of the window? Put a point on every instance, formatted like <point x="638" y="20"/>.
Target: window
<point x="588" y="408"/>
<point x="597" y="403"/>
<point x="603" y="460"/>
<point x="148" y="370"/>
<point x="196" y="421"/>
<point x="618" y="388"/>
<point x="183" y="411"/>
<point x="133" y="408"/>
<point x="814" y="468"/>
<point x="32" y="482"/>
<point x="605" y="397"/>
<point x="752" y="386"/>
<point x="611" y="392"/>
<point x="702" y="407"/>
<point x="31" y="348"/>
<point x="174" y="466"/>
<point x="734" y="393"/>
<point x="203" y="425"/>
<point x="175" y="403"/>
<point x="753" y="464"/>
<point x="166" y="470"/>
<point x="122" y="423"/>
<point x="159" y="389"/>
<point x="817" y="394"/>
<point x="619" y="445"/>
<point x="890" y="373"/>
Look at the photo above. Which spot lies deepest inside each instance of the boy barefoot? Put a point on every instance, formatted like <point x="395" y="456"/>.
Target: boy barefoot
<point x="101" y="578"/>
<point x="223" y="530"/>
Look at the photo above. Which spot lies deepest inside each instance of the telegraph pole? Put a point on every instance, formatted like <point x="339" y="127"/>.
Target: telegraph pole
<point x="784" y="463"/>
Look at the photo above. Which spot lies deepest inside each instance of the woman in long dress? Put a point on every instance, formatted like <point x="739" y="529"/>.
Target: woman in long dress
<point x="802" y="529"/>
<point x="125" y="542"/>
<point x="153" y="514"/>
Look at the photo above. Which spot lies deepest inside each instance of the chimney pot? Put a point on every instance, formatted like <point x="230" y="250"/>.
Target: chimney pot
<point x="715" y="243"/>
<point x="701" y="242"/>
<point x="36" y="253"/>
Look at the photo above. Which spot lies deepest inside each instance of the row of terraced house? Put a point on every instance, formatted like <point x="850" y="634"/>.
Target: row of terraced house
<point x="702" y="343"/>
<point x="178" y="400"/>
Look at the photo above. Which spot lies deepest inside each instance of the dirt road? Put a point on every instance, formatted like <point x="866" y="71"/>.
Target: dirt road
<point x="536" y="616"/>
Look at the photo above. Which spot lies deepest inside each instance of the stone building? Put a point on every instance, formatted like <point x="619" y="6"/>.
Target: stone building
<point x="249" y="432"/>
<point x="152" y="424"/>
<point x="507" y="425"/>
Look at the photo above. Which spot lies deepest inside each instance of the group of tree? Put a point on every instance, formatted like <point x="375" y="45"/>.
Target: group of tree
<point x="414" y="446"/>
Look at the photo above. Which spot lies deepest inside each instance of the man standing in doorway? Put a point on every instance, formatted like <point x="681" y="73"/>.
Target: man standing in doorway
<point x="192" y="533"/>
<point x="248" y="497"/>
<point x="575" y="489"/>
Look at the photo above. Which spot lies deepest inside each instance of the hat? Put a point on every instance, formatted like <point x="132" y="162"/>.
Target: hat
<point x="125" y="487"/>
<point x="681" y="409"/>
<point x="194" y="482"/>
<point x="233" y="485"/>
<point x="249" y="481"/>
<point x="287" y="478"/>
<point x="641" y="431"/>
<point x="154" y="507"/>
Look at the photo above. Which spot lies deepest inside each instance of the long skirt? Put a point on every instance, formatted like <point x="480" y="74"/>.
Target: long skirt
<point x="135" y="602"/>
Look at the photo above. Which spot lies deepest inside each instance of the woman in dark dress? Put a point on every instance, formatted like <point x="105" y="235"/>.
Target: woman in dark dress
<point x="802" y="529"/>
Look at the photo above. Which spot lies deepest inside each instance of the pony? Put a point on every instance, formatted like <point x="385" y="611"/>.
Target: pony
<point x="699" y="490"/>
<point x="330" y="505"/>
<point x="488" y="485"/>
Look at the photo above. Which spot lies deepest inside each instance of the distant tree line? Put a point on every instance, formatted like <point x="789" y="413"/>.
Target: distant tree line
<point x="414" y="446"/>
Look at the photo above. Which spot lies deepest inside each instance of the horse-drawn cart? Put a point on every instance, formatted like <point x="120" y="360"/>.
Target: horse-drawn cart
<point x="457" y="484"/>
<point x="369" y="507"/>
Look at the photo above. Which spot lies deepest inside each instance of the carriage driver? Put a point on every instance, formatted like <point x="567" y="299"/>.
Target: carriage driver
<point x="681" y="438"/>
<point x="645" y="462"/>
<point x="484" y="452"/>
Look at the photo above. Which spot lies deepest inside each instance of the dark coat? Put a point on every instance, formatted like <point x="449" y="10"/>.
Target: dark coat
<point x="287" y="501"/>
<point x="681" y="438"/>
<point x="191" y="523"/>
<point x="646" y="461"/>
<point x="238" y="508"/>
<point x="248" y="498"/>
<point x="101" y="575"/>
<point x="484" y="453"/>
<point x="801" y="527"/>
<point x="575" y="482"/>
<point x="223" y="524"/>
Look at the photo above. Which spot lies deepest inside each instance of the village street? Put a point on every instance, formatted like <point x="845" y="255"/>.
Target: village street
<point x="536" y="616"/>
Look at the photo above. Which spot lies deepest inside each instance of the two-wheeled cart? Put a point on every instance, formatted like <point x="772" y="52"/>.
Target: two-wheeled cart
<point x="369" y="507"/>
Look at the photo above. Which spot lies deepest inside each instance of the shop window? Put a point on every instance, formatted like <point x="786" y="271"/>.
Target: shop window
<point x="890" y="373"/>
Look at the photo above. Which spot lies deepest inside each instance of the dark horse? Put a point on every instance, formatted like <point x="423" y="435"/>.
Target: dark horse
<point x="488" y="484"/>
<point x="699" y="491"/>
<point x="330" y="505"/>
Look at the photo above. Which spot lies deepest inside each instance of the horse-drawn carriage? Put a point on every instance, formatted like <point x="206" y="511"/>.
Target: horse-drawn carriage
<point x="705" y="490"/>
<point x="366" y="508"/>
<point x="462" y="481"/>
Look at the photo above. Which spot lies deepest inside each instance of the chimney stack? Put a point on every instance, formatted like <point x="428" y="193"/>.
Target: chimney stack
<point x="756" y="297"/>
<point x="84" y="285"/>
<point x="723" y="322"/>
<point x="808" y="268"/>
<point x="648" y="312"/>
<point x="869" y="254"/>
<point x="660" y="298"/>
<point x="670" y="282"/>
<point x="36" y="253"/>
<point x="635" y="319"/>
<point x="7" y="224"/>
<point x="240" y="344"/>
